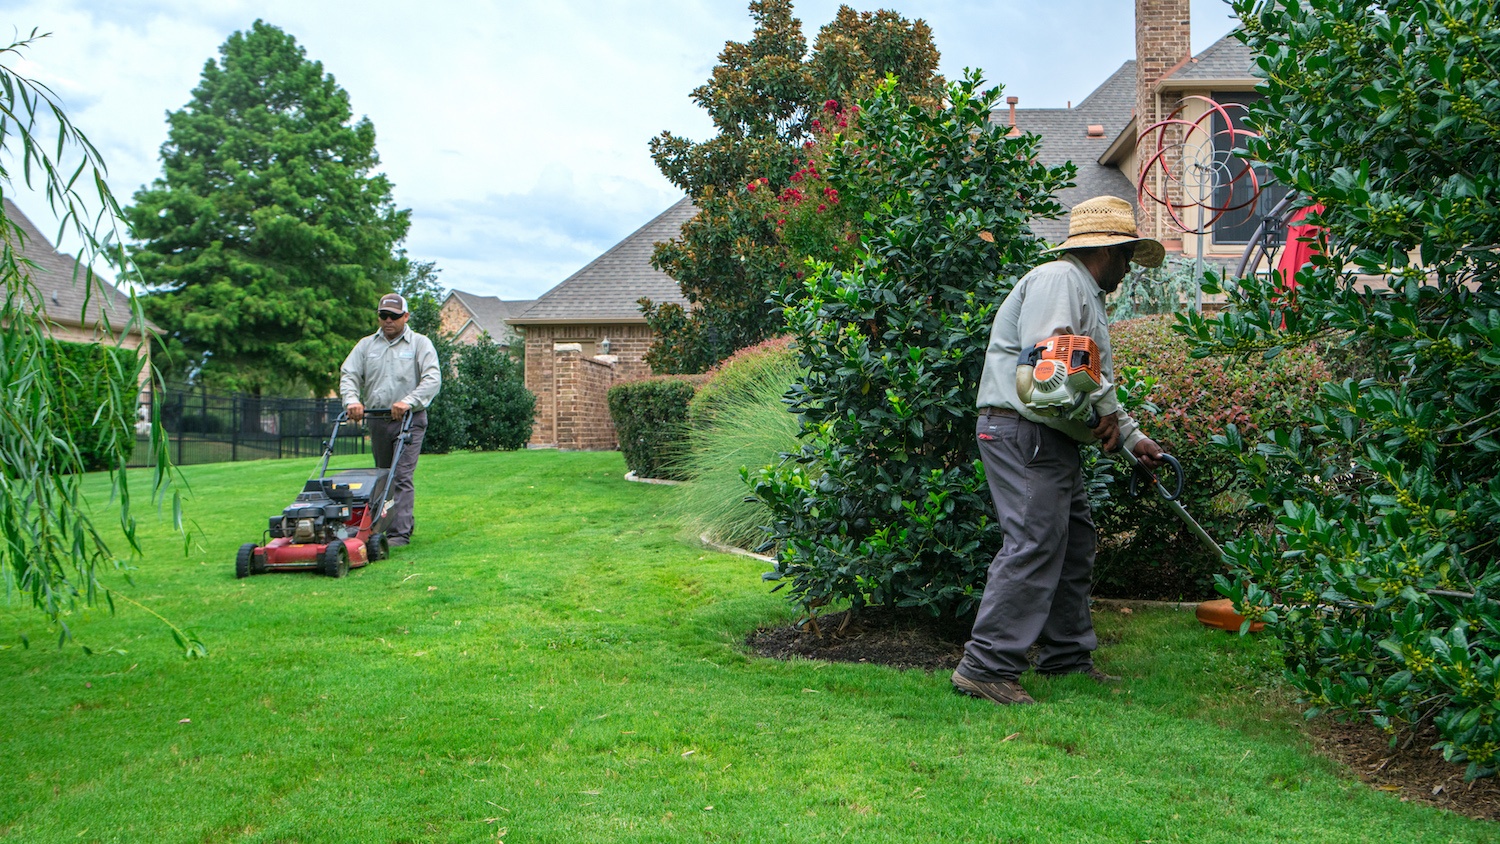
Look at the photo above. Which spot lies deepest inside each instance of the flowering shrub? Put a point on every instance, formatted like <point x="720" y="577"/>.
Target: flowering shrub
<point x="1145" y="551"/>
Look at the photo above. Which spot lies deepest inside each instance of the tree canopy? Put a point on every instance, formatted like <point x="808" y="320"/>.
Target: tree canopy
<point x="268" y="235"/>
<point x="758" y="183"/>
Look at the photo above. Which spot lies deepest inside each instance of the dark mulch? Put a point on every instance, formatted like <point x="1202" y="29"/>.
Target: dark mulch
<point x="903" y="640"/>
<point x="1412" y="770"/>
<point x="881" y="637"/>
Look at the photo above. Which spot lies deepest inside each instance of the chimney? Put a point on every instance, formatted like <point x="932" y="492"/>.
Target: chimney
<point x="1162" y="44"/>
<point x="1014" y="129"/>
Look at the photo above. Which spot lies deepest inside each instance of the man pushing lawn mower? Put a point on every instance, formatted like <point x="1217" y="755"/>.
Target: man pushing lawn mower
<point x="397" y="368"/>
<point x="1047" y="369"/>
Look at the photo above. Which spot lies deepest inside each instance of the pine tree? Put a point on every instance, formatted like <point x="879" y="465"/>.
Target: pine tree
<point x="265" y="237"/>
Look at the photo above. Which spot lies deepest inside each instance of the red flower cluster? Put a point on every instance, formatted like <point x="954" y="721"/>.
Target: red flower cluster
<point x="755" y="183"/>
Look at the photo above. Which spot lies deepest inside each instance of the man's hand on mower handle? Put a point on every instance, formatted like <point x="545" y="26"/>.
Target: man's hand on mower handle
<point x="398" y="410"/>
<point x="356" y="412"/>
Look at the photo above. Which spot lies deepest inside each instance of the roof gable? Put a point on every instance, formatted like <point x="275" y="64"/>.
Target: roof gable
<point x="489" y="313"/>
<point x="1065" y="137"/>
<point x="607" y="289"/>
<point x="1227" y="58"/>
<point x="53" y="275"/>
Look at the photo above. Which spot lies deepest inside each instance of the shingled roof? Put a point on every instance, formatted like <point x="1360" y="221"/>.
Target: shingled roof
<point x="62" y="295"/>
<point x="491" y="312"/>
<point x="608" y="288"/>
<point x="1065" y="138"/>
<point x="1227" y="59"/>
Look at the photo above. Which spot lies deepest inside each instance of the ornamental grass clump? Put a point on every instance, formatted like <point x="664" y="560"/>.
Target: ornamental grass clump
<point x="1145" y="551"/>
<point x="1382" y="578"/>
<point x="885" y="503"/>
<point x="740" y="422"/>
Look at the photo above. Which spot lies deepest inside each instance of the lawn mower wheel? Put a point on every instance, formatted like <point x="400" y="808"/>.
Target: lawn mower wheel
<point x="379" y="547"/>
<point x="336" y="559"/>
<point x="244" y="560"/>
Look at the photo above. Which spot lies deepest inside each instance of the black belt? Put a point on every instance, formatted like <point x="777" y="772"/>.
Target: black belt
<point x="999" y="411"/>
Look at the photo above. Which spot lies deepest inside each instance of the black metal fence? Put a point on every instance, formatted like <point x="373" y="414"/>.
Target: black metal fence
<point x="205" y="428"/>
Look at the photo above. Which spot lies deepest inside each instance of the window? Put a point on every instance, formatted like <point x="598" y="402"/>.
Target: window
<point x="1239" y="225"/>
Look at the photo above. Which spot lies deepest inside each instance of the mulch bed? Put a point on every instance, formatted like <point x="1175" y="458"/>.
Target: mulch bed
<point x="900" y="640"/>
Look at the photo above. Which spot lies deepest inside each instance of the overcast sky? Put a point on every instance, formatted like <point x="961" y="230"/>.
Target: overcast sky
<point x="516" y="132"/>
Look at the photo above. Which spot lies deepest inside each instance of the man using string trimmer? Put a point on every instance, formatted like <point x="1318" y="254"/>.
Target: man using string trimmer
<point x="1037" y="592"/>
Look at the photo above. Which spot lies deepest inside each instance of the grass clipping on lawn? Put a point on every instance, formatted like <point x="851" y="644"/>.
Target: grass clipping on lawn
<point x="549" y="661"/>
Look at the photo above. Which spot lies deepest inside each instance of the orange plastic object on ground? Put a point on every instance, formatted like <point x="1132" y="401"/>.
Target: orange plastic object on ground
<point x="1220" y="615"/>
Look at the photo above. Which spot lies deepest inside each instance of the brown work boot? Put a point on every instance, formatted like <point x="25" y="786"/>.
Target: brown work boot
<point x="1003" y="692"/>
<point x="1092" y="672"/>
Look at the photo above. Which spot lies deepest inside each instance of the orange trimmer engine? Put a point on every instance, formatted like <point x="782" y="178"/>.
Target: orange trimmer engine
<point x="1058" y="375"/>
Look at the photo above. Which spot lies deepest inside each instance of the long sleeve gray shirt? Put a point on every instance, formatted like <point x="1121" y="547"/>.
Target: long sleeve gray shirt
<point x="1060" y="297"/>
<point x="381" y="372"/>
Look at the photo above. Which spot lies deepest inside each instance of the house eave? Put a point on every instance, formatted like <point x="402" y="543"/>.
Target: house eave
<point x="1121" y="145"/>
<point x="1229" y="83"/>
<point x="601" y="320"/>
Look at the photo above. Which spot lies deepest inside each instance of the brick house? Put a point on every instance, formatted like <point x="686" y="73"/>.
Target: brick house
<point x="1099" y="134"/>
<point x="588" y="333"/>
<point x="59" y="282"/>
<point x="467" y="316"/>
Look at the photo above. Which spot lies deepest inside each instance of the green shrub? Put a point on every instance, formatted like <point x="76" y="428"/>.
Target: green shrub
<point x="1381" y="578"/>
<point x="740" y="423"/>
<point x="498" y="407"/>
<point x="886" y="503"/>
<point x="651" y="422"/>
<point x="84" y="377"/>
<point x="1145" y="551"/>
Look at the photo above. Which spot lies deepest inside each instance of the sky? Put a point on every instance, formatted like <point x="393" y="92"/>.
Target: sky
<point x="516" y="132"/>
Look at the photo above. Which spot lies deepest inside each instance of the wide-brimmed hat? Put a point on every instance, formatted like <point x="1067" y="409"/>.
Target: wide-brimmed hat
<point x="1106" y="221"/>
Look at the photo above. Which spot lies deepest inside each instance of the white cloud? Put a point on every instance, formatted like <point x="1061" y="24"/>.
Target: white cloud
<point x="516" y="132"/>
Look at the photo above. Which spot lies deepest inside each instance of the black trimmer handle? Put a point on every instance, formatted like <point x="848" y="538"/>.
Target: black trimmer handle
<point x="1160" y="487"/>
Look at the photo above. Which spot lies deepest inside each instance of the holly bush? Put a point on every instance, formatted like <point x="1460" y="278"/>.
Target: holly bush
<point x="886" y="503"/>
<point x="1145" y="550"/>
<point x="1380" y="578"/>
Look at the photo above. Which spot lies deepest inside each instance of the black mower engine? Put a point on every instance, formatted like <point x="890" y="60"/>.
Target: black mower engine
<point x="327" y="508"/>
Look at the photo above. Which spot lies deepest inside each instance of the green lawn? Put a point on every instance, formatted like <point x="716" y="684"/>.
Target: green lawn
<point x="551" y="662"/>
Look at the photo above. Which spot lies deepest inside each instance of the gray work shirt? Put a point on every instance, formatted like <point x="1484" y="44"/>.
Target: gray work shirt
<point x="381" y="372"/>
<point x="1060" y="297"/>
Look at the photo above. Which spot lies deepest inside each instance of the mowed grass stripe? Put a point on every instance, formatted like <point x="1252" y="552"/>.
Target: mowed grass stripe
<point x="552" y="659"/>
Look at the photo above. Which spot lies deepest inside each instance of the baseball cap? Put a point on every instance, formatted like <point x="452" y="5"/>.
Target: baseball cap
<point x="393" y="302"/>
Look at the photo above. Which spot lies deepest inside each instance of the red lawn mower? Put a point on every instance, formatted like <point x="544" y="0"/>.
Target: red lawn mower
<point x="336" y="522"/>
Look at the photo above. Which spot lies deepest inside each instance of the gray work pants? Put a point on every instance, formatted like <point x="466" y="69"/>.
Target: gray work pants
<point x="1038" y="586"/>
<point x="383" y="434"/>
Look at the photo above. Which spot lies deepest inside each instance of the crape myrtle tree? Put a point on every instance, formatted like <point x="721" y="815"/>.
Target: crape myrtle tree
<point x="886" y="504"/>
<point x="757" y="182"/>
<point x="265" y="237"/>
<point x="1381" y="580"/>
<point x="51" y="548"/>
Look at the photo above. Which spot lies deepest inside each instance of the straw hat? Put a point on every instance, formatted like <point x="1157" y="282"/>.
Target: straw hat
<point x="1106" y="221"/>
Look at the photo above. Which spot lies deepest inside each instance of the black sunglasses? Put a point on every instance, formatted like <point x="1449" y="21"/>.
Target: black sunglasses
<point x="390" y="315"/>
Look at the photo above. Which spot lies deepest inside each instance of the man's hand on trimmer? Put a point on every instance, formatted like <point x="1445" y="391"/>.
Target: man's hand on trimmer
<point x="1150" y="454"/>
<point x="1108" y="432"/>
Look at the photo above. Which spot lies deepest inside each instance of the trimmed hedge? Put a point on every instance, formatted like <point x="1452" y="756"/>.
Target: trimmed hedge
<point x="651" y="422"/>
<point x="83" y="375"/>
<point x="1145" y="551"/>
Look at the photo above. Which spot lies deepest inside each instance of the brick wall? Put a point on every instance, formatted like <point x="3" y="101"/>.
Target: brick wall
<point x="1163" y="40"/>
<point x="557" y="417"/>
<point x="453" y="315"/>
<point x="583" y="422"/>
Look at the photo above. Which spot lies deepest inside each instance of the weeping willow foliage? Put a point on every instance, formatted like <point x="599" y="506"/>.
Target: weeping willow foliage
<point x="52" y="552"/>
